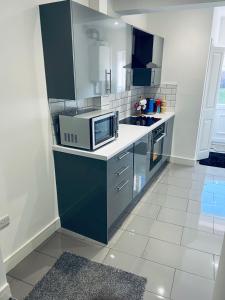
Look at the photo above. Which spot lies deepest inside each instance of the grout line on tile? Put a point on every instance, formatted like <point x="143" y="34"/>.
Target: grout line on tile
<point x="43" y="253"/>
<point x="158" y="213"/>
<point x="172" y="283"/>
<point x="182" y="233"/>
<point x="210" y="232"/>
<point x="19" y="279"/>
<point x="214" y="270"/>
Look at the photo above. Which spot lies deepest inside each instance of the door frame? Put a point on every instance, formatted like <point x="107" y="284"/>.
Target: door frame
<point x="204" y="99"/>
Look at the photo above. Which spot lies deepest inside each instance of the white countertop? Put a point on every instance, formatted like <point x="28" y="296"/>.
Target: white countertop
<point x="128" y="134"/>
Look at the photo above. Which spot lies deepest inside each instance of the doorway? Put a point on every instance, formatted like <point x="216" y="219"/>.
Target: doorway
<point x="218" y="135"/>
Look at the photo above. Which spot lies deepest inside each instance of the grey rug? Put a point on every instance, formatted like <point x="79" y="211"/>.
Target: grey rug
<point x="74" y="277"/>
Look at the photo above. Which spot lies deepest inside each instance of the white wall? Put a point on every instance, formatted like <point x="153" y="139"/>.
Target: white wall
<point x="187" y="38"/>
<point x="27" y="187"/>
<point x="4" y="287"/>
<point x="140" y="21"/>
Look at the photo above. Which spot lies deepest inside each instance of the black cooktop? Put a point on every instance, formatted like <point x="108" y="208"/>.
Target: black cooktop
<point x="140" y="121"/>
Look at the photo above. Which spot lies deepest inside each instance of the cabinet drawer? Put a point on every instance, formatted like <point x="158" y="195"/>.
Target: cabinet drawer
<point x="117" y="176"/>
<point x="120" y="161"/>
<point x="119" y="197"/>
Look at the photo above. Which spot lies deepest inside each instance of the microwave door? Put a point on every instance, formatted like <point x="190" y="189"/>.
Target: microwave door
<point x="102" y="130"/>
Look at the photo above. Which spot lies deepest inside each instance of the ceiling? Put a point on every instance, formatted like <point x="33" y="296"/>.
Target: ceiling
<point x="128" y="7"/>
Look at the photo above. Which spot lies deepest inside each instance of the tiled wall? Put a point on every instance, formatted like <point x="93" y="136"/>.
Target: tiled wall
<point x="123" y="102"/>
<point x="169" y="91"/>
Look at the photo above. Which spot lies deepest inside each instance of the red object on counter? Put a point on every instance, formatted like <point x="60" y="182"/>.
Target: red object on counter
<point x="158" y="105"/>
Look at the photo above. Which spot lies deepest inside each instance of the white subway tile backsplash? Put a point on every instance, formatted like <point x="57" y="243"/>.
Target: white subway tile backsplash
<point x="173" y="91"/>
<point x="123" y="102"/>
<point x="168" y="91"/>
<point x="118" y="96"/>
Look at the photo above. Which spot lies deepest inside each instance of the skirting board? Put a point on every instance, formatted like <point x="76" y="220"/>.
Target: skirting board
<point x="17" y="256"/>
<point x="5" y="292"/>
<point x="183" y="161"/>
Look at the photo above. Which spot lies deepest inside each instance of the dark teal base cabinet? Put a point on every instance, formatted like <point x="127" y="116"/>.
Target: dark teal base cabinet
<point x="92" y="193"/>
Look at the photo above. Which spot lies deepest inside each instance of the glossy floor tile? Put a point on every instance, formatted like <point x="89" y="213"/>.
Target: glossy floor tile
<point x="32" y="268"/>
<point x="167" y="201"/>
<point x="121" y="260"/>
<point x="140" y="225"/>
<point x="151" y="296"/>
<point x="216" y="264"/>
<point x="20" y="289"/>
<point x="166" y="232"/>
<point x="60" y="243"/>
<point x="162" y="188"/>
<point x="159" y="278"/>
<point x="131" y="243"/>
<point x="202" y="241"/>
<point x="173" y="237"/>
<point x="190" y="287"/>
<point x="201" y="222"/>
<point x="219" y="226"/>
<point x="147" y="210"/>
<point x="194" y="207"/>
<point x="182" y="182"/>
<point x="189" y="260"/>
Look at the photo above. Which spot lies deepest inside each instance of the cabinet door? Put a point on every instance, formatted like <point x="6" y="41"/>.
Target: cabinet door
<point x="102" y="47"/>
<point x="157" y="59"/>
<point x="92" y="51"/>
<point x="167" y="145"/>
<point x="120" y="39"/>
<point x="119" y="184"/>
<point x="141" y="164"/>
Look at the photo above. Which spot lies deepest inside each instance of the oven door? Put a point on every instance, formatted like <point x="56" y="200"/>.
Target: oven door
<point x="157" y="150"/>
<point x="103" y="129"/>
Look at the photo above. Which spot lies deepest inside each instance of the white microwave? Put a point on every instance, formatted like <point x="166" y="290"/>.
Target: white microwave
<point x="90" y="130"/>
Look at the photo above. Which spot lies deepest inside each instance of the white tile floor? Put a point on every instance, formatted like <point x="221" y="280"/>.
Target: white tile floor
<point x="173" y="238"/>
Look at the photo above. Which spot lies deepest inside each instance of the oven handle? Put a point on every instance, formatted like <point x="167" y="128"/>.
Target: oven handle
<point x="160" y="138"/>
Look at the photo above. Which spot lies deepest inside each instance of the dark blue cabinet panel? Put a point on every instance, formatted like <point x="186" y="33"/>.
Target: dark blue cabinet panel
<point x="81" y="188"/>
<point x="57" y="47"/>
<point x="167" y="145"/>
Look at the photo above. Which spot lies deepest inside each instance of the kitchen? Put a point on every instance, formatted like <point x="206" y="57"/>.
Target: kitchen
<point x="139" y="138"/>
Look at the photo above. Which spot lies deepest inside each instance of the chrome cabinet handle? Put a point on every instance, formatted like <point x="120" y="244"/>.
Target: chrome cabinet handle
<point x="153" y="77"/>
<point x="110" y="81"/>
<point x="161" y="137"/>
<point x="119" y="188"/>
<point x="108" y="84"/>
<point x="128" y="80"/>
<point x="122" y="171"/>
<point x="123" y="155"/>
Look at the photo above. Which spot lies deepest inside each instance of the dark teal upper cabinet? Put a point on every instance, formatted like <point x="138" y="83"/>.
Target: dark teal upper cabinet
<point x="147" y="56"/>
<point x="84" y="51"/>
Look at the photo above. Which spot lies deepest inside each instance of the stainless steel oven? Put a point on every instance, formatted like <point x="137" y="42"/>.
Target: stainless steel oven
<point x="88" y="130"/>
<point x="158" y="136"/>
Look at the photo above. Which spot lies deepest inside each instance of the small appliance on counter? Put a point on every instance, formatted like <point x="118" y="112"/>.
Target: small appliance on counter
<point x="90" y="130"/>
<point x="150" y="106"/>
<point x="158" y="106"/>
<point x="163" y="105"/>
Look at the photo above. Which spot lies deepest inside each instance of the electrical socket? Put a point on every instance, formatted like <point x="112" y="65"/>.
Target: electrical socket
<point x="4" y="221"/>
